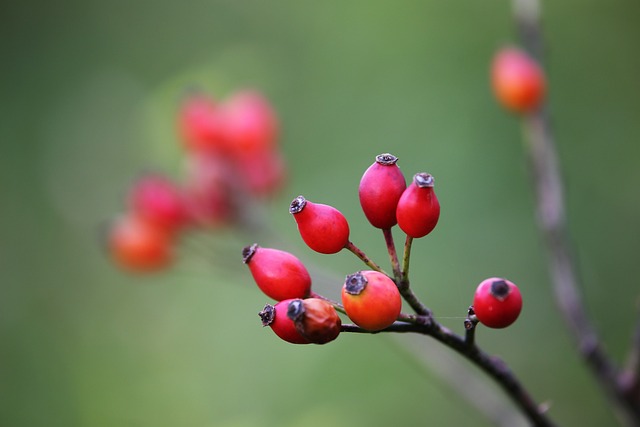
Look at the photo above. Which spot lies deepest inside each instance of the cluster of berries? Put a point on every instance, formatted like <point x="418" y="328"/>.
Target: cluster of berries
<point x="371" y="298"/>
<point x="231" y="156"/>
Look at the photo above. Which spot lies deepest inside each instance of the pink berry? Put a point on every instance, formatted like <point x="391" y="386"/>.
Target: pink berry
<point x="158" y="200"/>
<point x="322" y="227"/>
<point x="250" y="124"/>
<point x="200" y="124"/>
<point x="418" y="209"/>
<point x="279" y="274"/>
<point x="380" y="190"/>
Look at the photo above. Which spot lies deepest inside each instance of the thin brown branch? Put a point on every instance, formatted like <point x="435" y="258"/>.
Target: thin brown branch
<point x="491" y="365"/>
<point x="550" y="202"/>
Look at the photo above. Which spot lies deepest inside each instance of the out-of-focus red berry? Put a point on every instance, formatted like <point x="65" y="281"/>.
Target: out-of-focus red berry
<point x="200" y="125"/>
<point x="275" y="316"/>
<point x="158" y="200"/>
<point x="497" y="302"/>
<point x="322" y="227"/>
<point x="137" y="245"/>
<point x="279" y="274"/>
<point x="380" y="189"/>
<point x="250" y="123"/>
<point x="262" y="172"/>
<point x="371" y="300"/>
<point x="208" y="190"/>
<point x="418" y="208"/>
<point x="517" y="79"/>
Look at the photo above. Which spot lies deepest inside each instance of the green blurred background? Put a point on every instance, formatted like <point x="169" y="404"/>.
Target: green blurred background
<point x="89" y="91"/>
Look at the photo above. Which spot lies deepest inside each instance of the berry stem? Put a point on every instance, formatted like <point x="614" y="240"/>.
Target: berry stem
<point x="404" y="285"/>
<point x="364" y="258"/>
<point x="491" y="365"/>
<point x="393" y="254"/>
<point x="552" y="223"/>
<point x="406" y="256"/>
<point x="335" y="304"/>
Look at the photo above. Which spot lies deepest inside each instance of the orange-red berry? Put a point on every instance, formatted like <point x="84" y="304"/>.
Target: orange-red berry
<point x="497" y="302"/>
<point x="137" y="245"/>
<point x="371" y="300"/>
<point x="380" y="189"/>
<point x="315" y="319"/>
<point x="279" y="274"/>
<point x="518" y="81"/>
<point x="322" y="227"/>
<point x="418" y="209"/>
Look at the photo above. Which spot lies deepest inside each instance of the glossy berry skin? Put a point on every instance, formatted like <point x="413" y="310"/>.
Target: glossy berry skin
<point x="200" y="124"/>
<point x="380" y="189"/>
<point x="315" y="319"/>
<point x="159" y="201"/>
<point x="137" y="245"/>
<point x="275" y="316"/>
<point x="517" y="79"/>
<point x="323" y="228"/>
<point x="418" y="209"/>
<point x="279" y="274"/>
<point x="371" y="300"/>
<point x="497" y="302"/>
<point x="250" y="124"/>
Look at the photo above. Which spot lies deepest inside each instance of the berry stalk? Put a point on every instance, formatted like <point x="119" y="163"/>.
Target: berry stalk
<point x="552" y="223"/>
<point x="491" y="365"/>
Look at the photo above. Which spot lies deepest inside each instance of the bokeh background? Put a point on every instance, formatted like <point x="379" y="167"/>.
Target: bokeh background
<point x="89" y="91"/>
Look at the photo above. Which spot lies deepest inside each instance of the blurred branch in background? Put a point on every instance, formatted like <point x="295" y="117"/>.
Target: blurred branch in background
<point x="551" y="210"/>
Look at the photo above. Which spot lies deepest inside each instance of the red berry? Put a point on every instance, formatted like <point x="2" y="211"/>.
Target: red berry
<point x="279" y="274"/>
<point x="497" y="302"/>
<point x="380" y="189"/>
<point x="371" y="299"/>
<point x="315" y="319"/>
<point x="200" y="124"/>
<point x="275" y="316"/>
<point x="517" y="79"/>
<point x="208" y="190"/>
<point x="250" y="123"/>
<point x="418" y="209"/>
<point x="323" y="228"/>
<point x="158" y="200"/>
<point x="262" y="171"/>
<point x="138" y="245"/>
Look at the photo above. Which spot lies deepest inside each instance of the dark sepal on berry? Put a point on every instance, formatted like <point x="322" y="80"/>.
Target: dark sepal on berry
<point x="424" y="180"/>
<point x="500" y="289"/>
<point x="297" y="205"/>
<point x="267" y="314"/>
<point x="248" y="252"/>
<point x="355" y="283"/>
<point x="386" y="159"/>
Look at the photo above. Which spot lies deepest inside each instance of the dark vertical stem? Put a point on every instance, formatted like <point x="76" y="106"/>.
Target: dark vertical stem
<point x="393" y="254"/>
<point x="550" y="202"/>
